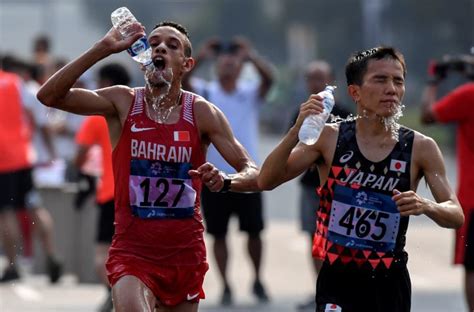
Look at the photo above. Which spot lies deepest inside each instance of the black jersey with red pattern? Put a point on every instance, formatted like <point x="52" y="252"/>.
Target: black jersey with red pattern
<point x="357" y="221"/>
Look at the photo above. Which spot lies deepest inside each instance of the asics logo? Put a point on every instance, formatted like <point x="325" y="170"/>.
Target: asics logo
<point x="191" y="297"/>
<point x="346" y="157"/>
<point x="134" y="128"/>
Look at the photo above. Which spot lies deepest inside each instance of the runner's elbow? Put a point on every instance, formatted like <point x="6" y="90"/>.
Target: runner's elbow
<point x="455" y="222"/>
<point x="47" y="98"/>
<point x="459" y="221"/>
<point x="265" y="184"/>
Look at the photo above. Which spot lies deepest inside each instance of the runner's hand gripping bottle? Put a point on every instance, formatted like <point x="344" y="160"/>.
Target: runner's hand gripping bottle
<point x="122" y="20"/>
<point x="314" y="124"/>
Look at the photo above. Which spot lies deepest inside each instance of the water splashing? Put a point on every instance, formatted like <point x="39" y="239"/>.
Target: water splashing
<point x="339" y="119"/>
<point x="160" y="109"/>
<point x="56" y="118"/>
<point x="390" y="123"/>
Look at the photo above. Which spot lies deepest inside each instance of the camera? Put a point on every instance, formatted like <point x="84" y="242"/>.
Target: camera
<point x="463" y="64"/>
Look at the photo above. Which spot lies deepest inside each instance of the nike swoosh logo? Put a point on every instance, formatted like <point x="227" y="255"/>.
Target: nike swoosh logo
<point x="135" y="129"/>
<point x="191" y="297"/>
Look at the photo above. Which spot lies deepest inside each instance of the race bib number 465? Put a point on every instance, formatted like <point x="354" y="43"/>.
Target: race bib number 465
<point x="160" y="189"/>
<point x="363" y="219"/>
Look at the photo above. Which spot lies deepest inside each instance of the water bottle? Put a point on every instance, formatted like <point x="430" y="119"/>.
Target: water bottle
<point x="140" y="50"/>
<point x="314" y="124"/>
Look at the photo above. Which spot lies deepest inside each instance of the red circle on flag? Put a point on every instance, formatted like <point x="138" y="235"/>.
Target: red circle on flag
<point x="398" y="165"/>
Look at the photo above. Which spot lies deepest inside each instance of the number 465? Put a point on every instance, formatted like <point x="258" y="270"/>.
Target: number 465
<point x="364" y="223"/>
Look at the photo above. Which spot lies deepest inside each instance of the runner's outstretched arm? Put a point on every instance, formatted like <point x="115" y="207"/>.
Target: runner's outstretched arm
<point x="446" y="210"/>
<point x="215" y="129"/>
<point x="58" y="92"/>
<point x="290" y="158"/>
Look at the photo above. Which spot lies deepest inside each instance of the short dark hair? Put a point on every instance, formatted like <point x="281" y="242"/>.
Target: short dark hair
<point x="356" y="66"/>
<point x="188" y="49"/>
<point x="115" y="73"/>
<point x="41" y="43"/>
<point x="10" y="63"/>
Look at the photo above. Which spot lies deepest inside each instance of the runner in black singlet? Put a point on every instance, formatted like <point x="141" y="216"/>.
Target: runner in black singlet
<point x="370" y="169"/>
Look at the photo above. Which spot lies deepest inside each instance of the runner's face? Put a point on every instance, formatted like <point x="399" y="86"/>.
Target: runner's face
<point x="382" y="89"/>
<point x="168" y="46"/>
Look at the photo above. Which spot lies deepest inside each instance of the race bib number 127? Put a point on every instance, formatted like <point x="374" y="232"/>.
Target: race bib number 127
<point x="363" y="219"/>
<point x="160" y="189"/>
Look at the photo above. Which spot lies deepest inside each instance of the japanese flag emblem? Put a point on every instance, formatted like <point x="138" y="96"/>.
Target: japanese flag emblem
<point x="181" y="136"/>
<point x="398" y="165"/>
<point x="331" y="307"/>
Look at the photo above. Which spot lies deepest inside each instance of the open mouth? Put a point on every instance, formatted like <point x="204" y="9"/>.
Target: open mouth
<point x="159" y="63"/>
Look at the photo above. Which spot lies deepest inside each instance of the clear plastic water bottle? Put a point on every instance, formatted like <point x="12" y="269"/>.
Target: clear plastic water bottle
<point x="140" y="50"/>
<point x="314" y="124"/>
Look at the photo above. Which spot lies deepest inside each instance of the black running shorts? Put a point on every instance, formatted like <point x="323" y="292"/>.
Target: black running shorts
<point x="218" y="207"/>
<point x="105" y="222"/>
<point x="469" y="249"/>
<point x="353" y="290"/>
<point x="15" y="188"/>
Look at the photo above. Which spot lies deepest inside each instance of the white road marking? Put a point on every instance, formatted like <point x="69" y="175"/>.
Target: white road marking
<point x="27" y="293"/>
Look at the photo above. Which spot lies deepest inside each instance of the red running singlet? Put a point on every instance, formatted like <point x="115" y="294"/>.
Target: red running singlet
<point x="158" y="225"/>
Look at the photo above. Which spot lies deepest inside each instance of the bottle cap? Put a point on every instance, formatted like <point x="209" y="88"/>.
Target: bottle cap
<point x="330" y="88"/>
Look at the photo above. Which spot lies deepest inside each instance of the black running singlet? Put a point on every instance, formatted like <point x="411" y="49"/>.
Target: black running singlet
<point x="357" y="221"/>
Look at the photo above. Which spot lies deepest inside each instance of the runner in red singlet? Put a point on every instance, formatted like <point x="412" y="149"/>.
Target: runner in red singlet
<point x="370" y="169"/>
<point x="457" y="107"/>
<point x="157" y="257"/>
<point x="16" y="162"/>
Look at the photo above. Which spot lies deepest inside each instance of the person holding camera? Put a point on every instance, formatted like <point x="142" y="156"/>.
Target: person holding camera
<point x="240" y="102"/>
<point x="457" y="106"/>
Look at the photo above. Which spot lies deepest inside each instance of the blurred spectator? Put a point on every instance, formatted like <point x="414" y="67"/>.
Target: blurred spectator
<point x="240" y="102"/>
<point x="41" y="50"/>
<point x="64" y="126"/>
<point x="41" y="57"/>
<point x="458" y="107"/>
<point x="21" y="119"/>
<point x="318" y="74"/>
<point x="42" y="136"/>
<point x="45" y="157"/>
<point x="92" y="134"/>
